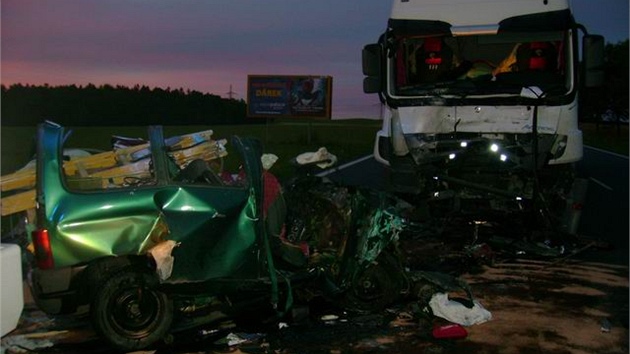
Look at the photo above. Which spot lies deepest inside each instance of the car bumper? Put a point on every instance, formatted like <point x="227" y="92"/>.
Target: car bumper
<point x="53" y="289"/>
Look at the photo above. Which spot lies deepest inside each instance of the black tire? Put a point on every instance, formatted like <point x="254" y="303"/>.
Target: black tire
<point x="129" y="312"/>
<point x="375" y="287"/>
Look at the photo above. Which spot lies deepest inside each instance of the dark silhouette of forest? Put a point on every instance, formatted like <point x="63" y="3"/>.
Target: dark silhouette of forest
<point x="25" y="105"/>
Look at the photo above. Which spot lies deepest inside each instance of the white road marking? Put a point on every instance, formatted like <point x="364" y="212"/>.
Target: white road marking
<point x="333" y="170"/>
<point x="601" y="184"/>
<point x="606" y="152"/>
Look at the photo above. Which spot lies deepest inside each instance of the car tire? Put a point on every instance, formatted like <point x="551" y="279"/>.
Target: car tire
<point x="129" y="311"/>
<point x="376" y="286"/>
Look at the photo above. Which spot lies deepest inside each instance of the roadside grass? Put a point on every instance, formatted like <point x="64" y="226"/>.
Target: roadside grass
<point x="347" y="139"/>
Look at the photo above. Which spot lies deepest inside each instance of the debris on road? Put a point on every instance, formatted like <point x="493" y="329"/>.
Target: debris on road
<point x="456" y="312"/>
<point x="24" y="343"/>
<point x="234" y="339"/>
<point x="449" y="331"/>
<point x="605" y="326"/>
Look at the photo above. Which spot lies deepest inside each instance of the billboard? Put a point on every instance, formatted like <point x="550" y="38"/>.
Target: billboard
<point x="294" y="96"/>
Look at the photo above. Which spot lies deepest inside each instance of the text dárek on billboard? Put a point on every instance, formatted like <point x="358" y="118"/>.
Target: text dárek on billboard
<point x="270" y="96"/>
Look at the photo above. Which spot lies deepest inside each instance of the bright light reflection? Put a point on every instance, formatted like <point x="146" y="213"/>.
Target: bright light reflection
<point x="77" y="239"/>
<point x="503" y="157"/>
<point x="451" y="156"/>
<point x="106" y="206"/>
<point x="519" y="198"/>
<point x="463" y="144"/>
<point x="187" y="208"/>
<point x="494" y="147"/>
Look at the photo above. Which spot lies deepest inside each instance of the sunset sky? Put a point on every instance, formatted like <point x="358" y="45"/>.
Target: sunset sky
<point x="209" y="45"/>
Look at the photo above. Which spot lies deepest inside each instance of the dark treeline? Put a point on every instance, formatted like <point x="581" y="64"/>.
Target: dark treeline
<point x="25" y="105"/>
<point x="615" y="93"/>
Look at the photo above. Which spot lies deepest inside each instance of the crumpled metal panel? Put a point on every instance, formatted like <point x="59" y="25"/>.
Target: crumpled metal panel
<point x="487" y="119"/>
<point x="91" y="226"/>
<point x="384" y="228"/>
<point x="215" y="240"/>
<point x="341" y="223"/>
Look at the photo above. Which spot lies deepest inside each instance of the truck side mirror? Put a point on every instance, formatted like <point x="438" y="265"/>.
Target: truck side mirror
<point x="372" y="56"/>
<point x="593" y="60"/>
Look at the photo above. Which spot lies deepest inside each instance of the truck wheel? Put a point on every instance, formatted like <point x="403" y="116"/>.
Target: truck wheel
<point x="129" y="312"/>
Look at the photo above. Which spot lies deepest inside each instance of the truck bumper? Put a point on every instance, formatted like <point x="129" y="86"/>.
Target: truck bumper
<point x="400" y="171"/>
<point x="382" y="148"/>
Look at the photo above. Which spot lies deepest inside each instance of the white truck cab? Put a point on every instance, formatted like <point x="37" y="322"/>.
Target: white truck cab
<point x="481" y="99"/>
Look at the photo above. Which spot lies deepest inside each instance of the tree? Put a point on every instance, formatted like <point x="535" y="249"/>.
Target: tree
<point x="116" y="105"/>
<point x="614" y="94"/>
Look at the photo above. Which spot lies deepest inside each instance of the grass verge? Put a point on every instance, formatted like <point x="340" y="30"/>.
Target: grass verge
<point x="347" y="139"/>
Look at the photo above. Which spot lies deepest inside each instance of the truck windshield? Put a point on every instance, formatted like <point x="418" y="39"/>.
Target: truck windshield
<point x="479" y="64"/>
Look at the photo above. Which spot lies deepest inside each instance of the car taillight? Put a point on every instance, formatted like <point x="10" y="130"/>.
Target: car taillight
<point x="43" y="251"/>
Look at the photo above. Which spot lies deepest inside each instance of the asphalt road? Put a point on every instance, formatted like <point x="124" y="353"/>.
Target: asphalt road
<point x="606" y="214"/>
<point x="604" y="217"/>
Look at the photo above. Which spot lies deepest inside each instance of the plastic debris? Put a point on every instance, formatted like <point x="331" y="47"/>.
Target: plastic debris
<point x="449" y="331"/>
<point x="325" y="158"/>
<point x="605" y="326"/>
<point x="233" y="339"/>
<point x="24" y="344"/>
<point x="208" y="332"/>
<point x="161" y="253"/>
<point x="456" y="312"/>
<point x="268" y="160"/>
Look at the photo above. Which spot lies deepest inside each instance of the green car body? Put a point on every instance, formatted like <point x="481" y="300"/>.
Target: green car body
<point x="217" y="229"/>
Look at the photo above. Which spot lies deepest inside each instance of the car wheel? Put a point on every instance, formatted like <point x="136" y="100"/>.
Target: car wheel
<point x="130" y="312"/>
<point x="376" y="286"/>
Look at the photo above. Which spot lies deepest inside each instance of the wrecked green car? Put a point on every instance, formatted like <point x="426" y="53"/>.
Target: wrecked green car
<point x="158" y="252"/>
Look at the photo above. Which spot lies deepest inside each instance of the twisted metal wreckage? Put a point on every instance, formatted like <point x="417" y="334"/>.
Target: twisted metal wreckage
<point x="175" y="243"/>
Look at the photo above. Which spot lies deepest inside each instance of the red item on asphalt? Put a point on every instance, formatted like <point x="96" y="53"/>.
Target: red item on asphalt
<point x="449" y="331"/>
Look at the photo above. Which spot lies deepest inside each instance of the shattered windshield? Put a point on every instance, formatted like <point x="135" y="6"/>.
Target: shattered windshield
<point x="479" y="64"/>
